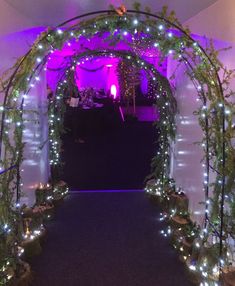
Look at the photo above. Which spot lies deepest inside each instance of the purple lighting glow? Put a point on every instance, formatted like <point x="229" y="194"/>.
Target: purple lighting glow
<point x="113" y="91"/>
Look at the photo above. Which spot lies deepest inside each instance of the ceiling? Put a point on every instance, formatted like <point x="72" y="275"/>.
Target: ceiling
<point x="53" y="12"/>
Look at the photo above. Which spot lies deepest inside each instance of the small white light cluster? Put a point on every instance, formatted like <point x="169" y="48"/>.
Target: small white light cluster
<point x="6" y="228"/>
<point x="135" y="22"/>
<point x="166" y="232"/>
<point x="59" y="31"/>
<point x="33" y="234"/>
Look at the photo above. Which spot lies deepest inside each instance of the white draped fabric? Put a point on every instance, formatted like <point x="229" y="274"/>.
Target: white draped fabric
<point x="35" y="168"/>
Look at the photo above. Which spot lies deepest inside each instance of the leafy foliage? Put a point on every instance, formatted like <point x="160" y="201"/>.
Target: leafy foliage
<point x="147" y="32"/>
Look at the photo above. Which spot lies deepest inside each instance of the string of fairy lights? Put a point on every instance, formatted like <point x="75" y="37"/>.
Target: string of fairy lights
<point x="158" y="34"/>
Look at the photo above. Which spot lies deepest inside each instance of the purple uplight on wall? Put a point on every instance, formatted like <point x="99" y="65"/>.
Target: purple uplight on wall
<point x="99" y="72"/>
<point x="112" y="78"/>
<point x="113" y="91"/>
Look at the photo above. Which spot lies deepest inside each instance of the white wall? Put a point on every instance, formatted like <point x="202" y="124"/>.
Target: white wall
<point x="35" y="165"/>
<point x="11" y="20"/>
<point x="187" y="169"/>
<point x="12" y="46"/>
<point x="216" y="22"/>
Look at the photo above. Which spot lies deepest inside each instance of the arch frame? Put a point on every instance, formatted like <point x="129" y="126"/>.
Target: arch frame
<point x="214" y="114"/>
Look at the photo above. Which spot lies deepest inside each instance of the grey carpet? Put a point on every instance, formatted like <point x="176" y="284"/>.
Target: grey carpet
<point x="107" y="239"/>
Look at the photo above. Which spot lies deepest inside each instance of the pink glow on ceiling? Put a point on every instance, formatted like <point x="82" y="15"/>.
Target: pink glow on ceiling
<point x="103" y="78"/>
<point x="73" y="47"/>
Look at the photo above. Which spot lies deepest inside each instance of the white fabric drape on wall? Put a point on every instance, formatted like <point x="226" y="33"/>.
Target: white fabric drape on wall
<point x="36" y="164"/>
<point x="186" y="167"/>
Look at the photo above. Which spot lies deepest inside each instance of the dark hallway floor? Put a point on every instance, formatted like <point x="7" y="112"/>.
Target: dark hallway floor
<point x="104" y="238"/>
<point x="107" y="238"/>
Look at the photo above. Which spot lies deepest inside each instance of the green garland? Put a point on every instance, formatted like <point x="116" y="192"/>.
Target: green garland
<point x="215" y="114"/>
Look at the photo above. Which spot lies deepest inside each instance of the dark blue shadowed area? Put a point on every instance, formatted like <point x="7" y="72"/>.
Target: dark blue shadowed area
<point x="113" y="157"/>
<point x="107" y="238"/>
<point x="107" y="232"/>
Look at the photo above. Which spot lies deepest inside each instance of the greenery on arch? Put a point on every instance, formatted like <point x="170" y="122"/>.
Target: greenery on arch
<point x="164" y="33"/>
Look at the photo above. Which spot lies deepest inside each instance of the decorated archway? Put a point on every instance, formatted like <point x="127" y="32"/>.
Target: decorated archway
<point x="162" y="92"/>
<point x="140" y="31"/>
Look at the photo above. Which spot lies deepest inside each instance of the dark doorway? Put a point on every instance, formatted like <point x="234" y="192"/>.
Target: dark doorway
<point x="116" y="154"/>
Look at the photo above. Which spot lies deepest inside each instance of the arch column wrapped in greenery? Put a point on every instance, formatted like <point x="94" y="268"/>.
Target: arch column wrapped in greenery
<point x="164" y="33"/>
